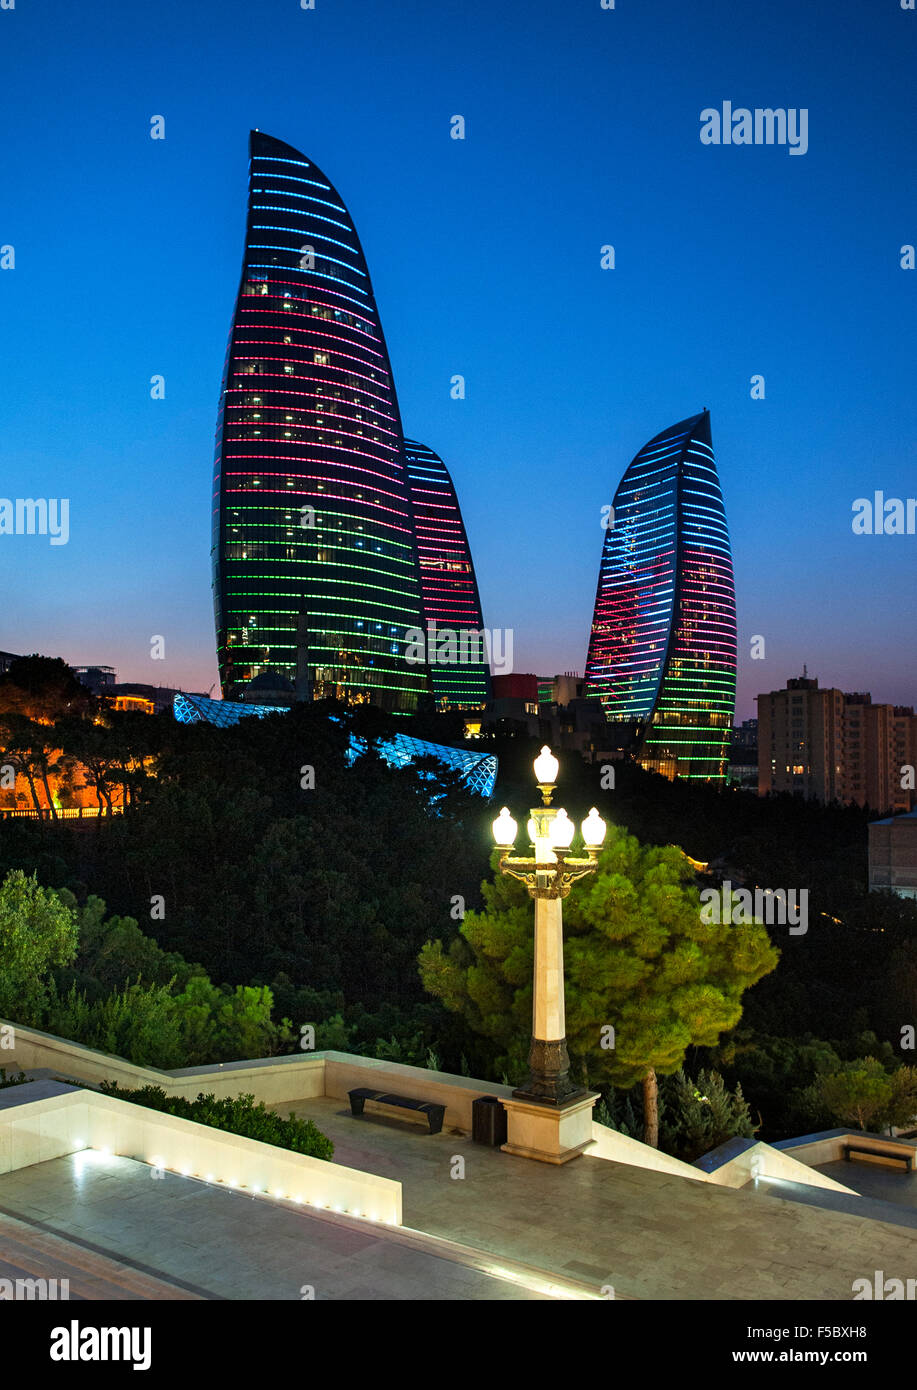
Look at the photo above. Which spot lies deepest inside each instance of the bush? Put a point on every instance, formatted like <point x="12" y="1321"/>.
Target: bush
<point x="235" y="1114"/>
<point x="154" y="1027"/>
<point x="5" y="1080"/>
<point x="695" y="1115"/>
<point x="700" y="1115"/>
<point x="139" y="1023"/>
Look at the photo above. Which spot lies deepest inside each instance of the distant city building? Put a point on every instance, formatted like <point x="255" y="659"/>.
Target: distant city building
<point x="98" y="679"/>
<point x="517" y="686"/>
<point x="662" y="651"/>
<point x="745" y="735"/>
<point x="269" y="687"/>
<point x="567" y="687"/>
<point x="561" y="689"/>
<point x="517" y="706"/>
<point x="138" y="704"/>
<point x="826" y="745"/>
<point x="449" y="589"/>
<point x="893" y="854"/>
<point x="316" y="573"/>
<point x="159" y="697"/>
<point x="743" y="755"/>
<point x="119" y="695"/>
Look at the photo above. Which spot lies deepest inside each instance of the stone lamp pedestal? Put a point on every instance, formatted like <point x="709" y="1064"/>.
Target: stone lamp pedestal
<point x="551" y="1133"/>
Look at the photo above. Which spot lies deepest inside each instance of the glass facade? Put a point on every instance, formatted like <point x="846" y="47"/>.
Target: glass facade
<point x="449" y="589"/>
<point x="662" y="650"/>
<point x="315" y="569"/>
<point x="478" y="771"/>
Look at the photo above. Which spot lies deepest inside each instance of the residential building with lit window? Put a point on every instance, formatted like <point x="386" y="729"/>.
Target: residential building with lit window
<point x="826" y="745"/>
<point x="662" y="650"/>
<point x="315" y="569"/>
<point x="448" y="587"/>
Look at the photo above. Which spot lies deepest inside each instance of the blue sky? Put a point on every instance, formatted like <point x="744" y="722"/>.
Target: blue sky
<point x="582" y="129"/>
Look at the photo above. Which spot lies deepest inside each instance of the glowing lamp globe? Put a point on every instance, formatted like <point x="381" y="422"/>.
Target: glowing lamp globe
<point x="532" y="829"/>
<point x="504" y="828"/>
<point x="546" y="766"/>
<point x="593" y="829"/>
<point x="562" y="829"/>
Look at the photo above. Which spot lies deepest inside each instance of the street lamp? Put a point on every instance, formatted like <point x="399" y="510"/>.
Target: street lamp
<point x="549" y="877"/>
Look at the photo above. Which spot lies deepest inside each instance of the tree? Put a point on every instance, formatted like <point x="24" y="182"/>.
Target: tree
<point x="639" y="961"/>
<point x="44" y="688"/>
<point x="94" y="748"/>
<point x="701" y="1114"/>
<point x="37" y="931"/>
<point x="28" y="746"/>
<point x="863" y="1093"/>
<point x="857" y="1094"/>
<point x="902" y="1106"/>
<point x="113" y="952"/>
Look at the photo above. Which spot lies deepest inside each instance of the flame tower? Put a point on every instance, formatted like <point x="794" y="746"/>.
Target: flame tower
<point x="315" y="569"/>
<point x="449" y="588"/>
<point x="662" y="651"/>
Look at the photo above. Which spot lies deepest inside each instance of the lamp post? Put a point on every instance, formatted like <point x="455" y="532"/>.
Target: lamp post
<point x="548" y="875"/>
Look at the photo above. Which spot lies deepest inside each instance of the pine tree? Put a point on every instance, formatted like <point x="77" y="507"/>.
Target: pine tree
<point x="639" y="960"/>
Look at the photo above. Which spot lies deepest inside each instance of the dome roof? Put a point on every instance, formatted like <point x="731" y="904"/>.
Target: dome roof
<point x="272" y="680"/>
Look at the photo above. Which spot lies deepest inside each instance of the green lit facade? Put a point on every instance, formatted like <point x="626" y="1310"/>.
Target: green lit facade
<point x="315" y="567"/>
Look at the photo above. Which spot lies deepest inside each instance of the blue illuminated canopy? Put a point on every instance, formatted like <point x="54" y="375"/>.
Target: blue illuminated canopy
<point x="478" y="771"/>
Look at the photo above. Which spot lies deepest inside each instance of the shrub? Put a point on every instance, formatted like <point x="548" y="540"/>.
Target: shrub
<point x="700" y="1115"/>
<point x="235" y="1114"/>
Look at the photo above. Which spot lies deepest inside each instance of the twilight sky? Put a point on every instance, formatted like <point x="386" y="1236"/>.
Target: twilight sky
<point x="582" y="130"/>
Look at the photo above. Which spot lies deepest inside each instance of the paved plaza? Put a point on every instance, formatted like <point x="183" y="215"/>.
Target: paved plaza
<point x="117" y="1232"/>
<point x="478" y="1224"/>
<point x="647" y="1234"/>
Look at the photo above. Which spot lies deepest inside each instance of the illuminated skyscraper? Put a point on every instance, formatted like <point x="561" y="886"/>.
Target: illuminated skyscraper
<point x="314" y="558"/>
<point x="663" y="645"/>
<point x="449" y="589"/>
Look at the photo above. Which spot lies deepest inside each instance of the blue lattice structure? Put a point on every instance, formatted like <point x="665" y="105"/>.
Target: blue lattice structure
<point x="198" y="709"/>
<point x="478" y="771"/>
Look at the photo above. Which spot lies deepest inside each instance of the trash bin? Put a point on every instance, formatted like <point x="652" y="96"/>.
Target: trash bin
<point x="488" y="1121"/>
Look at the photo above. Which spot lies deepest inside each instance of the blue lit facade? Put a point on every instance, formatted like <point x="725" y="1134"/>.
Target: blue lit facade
<point x="662" y="649"/>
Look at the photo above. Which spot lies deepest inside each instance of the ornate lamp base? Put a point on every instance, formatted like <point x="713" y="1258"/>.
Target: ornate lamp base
<point x="549" y="1074"/>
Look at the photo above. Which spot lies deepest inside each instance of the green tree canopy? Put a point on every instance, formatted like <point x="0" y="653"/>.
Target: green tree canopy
<point x="638" y="957"/>
<point x="863" y="1093"/>
<point x="37" y="932"/>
